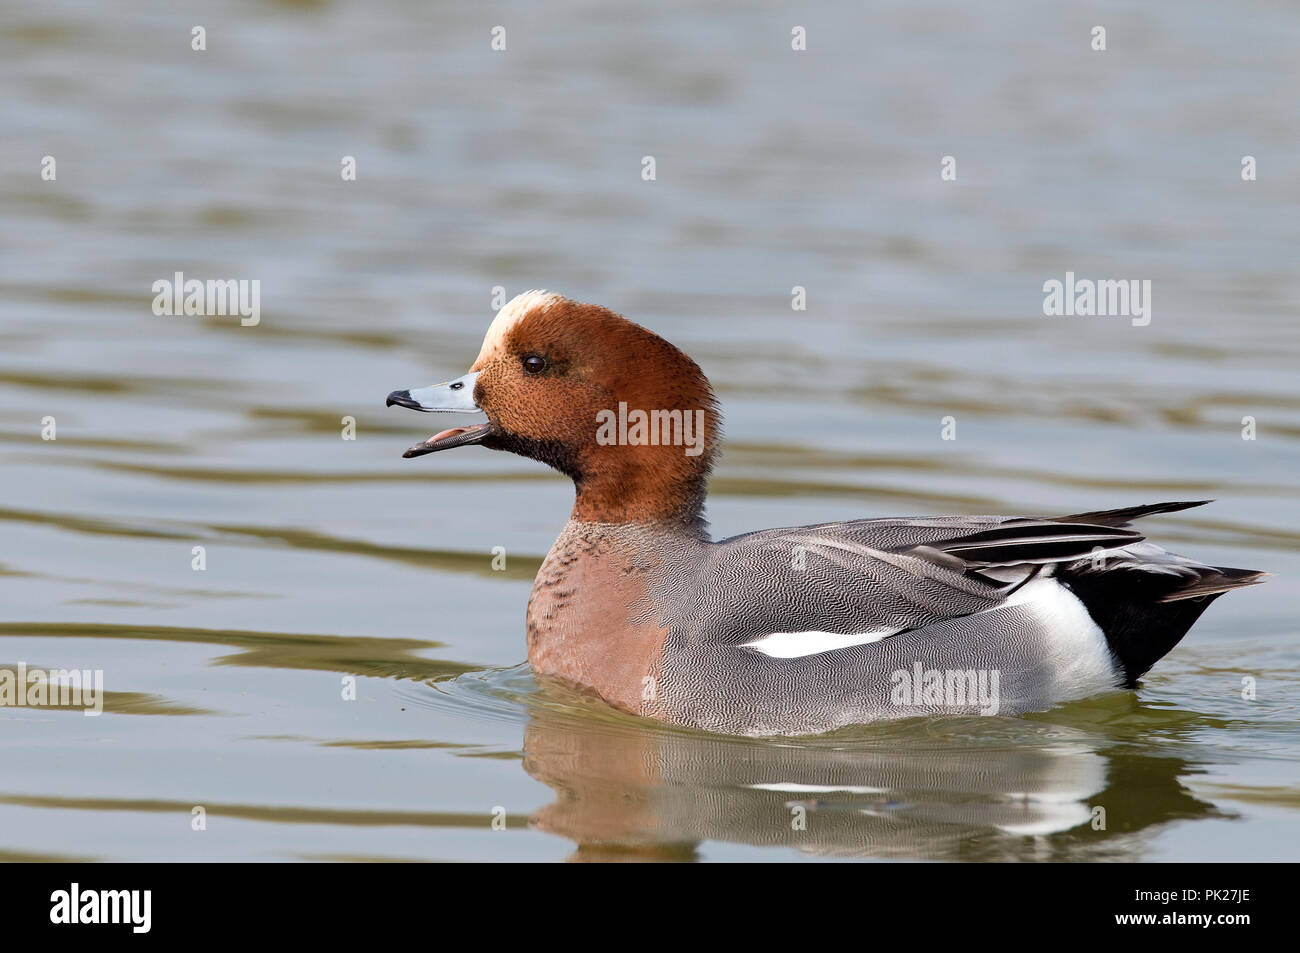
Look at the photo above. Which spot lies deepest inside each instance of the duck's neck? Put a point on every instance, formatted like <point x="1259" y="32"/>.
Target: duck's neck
<point x="664" y="488"/>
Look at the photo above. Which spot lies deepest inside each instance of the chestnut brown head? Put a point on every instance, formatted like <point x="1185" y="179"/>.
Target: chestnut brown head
<point x="630" y="418"/>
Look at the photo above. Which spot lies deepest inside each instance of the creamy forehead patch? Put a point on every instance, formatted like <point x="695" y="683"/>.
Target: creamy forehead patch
<point x="511" y="314"/>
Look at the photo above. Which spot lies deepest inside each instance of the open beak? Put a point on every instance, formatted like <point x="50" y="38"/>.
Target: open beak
<point x="452" y="397"/>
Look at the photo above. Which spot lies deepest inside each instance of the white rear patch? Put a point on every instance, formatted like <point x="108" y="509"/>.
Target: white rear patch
<point x="799" y="644"/>
<point x="1079" y="658"/>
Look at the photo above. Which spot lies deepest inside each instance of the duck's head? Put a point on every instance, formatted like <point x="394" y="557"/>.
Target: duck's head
<point x="628" y="416"/>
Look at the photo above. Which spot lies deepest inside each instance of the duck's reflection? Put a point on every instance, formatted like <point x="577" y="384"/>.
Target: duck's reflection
<point x="944" y="790"/>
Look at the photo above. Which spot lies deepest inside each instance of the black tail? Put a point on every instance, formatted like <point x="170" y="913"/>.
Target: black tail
<point x="1128" y="514"/>
<point x="1146" y="599"/>
<point x="1215" y="581"/>
<point x="1145" y="614"/>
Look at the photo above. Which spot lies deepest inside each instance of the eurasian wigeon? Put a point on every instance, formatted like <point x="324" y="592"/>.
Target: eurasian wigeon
<point x="795" y="630"/>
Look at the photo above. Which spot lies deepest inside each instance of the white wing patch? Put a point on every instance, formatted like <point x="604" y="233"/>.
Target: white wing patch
<point x="799" y="644"/>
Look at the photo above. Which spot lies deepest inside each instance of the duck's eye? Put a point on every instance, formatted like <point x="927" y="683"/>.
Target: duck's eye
<point x="534" y="364"/>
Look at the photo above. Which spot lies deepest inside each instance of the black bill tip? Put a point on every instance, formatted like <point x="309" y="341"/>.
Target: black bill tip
<point x="402" y="398"/>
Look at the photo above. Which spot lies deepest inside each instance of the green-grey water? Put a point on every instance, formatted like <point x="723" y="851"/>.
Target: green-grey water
<point x="329" y="558"/>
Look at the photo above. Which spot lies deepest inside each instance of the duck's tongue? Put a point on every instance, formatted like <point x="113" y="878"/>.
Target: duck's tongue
<point x="455" y="437"/>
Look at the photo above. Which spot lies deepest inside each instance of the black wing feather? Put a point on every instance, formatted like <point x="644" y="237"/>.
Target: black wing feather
<point x="1123" y="517"/>
<point x="1018" y="542"/>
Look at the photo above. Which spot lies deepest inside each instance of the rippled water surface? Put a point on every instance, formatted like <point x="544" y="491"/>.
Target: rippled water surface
<point x="328" y="558"/>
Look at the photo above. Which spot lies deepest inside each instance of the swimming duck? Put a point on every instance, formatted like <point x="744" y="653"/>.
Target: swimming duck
<point x="802" y="629"/>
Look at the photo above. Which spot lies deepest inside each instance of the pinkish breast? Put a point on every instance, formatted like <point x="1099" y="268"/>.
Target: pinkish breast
<point x="590" y="619"/>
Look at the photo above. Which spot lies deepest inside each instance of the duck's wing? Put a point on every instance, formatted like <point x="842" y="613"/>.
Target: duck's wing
<point x="871" y="579"/>
<point x="794" y="591"/>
